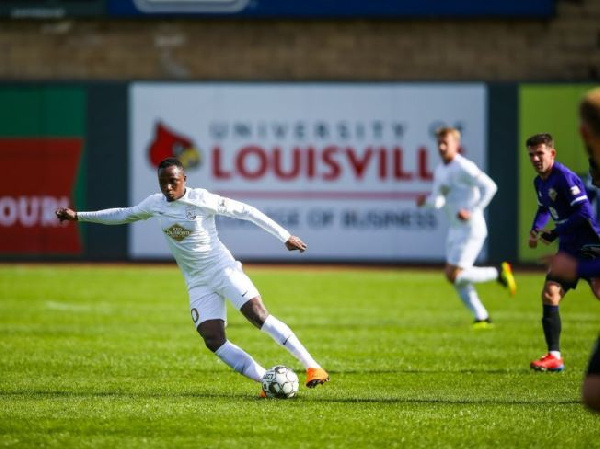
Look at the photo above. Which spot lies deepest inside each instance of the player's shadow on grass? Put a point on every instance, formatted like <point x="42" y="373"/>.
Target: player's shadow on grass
<point x="361" y="371"/>
<point x="62" y="394"/>
<point x="304" y="399"/>
<point x="441" y="401"/>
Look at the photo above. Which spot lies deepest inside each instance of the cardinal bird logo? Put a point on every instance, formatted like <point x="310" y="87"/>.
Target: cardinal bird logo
<point x="168" y="143"/>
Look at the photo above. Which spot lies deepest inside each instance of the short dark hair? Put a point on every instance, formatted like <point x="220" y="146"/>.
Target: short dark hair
<point x="169" y="162"/>
<point x="539" y="139"/>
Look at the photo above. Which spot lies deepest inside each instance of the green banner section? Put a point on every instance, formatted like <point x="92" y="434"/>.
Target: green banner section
<point x="548" y="108"/>
<point x="41" y="111"/>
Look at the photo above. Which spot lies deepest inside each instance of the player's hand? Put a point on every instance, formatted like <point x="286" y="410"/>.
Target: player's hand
<point x="64" y="213"/>
<point x="294" y="243"/>
<point x="548" y="237"/>
<point x="420" y="200"/>
<point x="562" y="266"/>
<point x="464" y="214"/>
<point x="534" y="236"/>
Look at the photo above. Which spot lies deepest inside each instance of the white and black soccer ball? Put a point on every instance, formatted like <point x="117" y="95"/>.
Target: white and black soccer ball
<point x="280" y="382"/>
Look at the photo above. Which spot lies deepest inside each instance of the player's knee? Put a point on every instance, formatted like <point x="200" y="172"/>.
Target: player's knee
<point x="212" y="339"/>
<point x="213" y="342"/>
<point x="550" y="297"/>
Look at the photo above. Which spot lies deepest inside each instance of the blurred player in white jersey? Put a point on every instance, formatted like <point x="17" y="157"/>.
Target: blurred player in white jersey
<point x="464" y="191"/>
<point x="187" y="218"/>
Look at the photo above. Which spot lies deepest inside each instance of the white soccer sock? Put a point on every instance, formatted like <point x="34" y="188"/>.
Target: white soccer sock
<point x="284" y="336"/>
<point x="242" y="362"/>
<point x="469" y="297"/>
<point x="476" y="275"/>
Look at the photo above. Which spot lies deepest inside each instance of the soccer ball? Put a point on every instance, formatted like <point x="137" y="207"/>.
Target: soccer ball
<point x="280" y="382"/>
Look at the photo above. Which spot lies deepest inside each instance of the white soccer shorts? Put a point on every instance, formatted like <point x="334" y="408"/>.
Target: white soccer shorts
<point x="463" y="247"/>
<point x="207" y="302"/>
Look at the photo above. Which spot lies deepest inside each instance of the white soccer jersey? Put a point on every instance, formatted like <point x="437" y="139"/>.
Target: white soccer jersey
<point x="460" y="184"/>
<point x="189" y="227"/>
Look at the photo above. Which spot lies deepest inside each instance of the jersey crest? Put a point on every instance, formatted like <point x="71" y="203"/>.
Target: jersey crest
<point x="190" y="213"/>
<point x="177" y="232"/>
<point x="552" y="194"/>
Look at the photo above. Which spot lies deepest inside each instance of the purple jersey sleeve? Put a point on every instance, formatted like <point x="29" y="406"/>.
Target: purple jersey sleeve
<point x="574" y="190"/>
<point x="541" y="219"/>
<point x="542" y="216"/>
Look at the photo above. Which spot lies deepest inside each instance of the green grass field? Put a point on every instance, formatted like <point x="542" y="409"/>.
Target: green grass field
<point x="101" y="356"/>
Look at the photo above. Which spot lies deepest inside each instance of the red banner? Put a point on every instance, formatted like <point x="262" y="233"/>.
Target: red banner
<point x="38" y="177"/>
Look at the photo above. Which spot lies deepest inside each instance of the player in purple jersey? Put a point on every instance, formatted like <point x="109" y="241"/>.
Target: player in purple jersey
<point x="561" y="196"/>
<point x="569" y="267"/>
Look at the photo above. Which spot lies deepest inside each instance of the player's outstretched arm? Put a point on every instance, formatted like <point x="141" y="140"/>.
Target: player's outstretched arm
<point x="64" y="213"/>
<point x="294" y="243"/>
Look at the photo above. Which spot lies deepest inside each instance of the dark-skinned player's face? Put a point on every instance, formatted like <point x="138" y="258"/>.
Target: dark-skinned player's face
<point x="172" y="182"/>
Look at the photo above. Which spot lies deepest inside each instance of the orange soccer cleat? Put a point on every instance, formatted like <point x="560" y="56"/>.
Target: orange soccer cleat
<point x="548" y="363"/>
<point x="316" y="376"/>
<point x="262" y="394"/>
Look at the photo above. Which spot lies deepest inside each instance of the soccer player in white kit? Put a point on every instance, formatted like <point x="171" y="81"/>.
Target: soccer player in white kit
<point x="187" y="219"/>
<point x="464" y="191"/>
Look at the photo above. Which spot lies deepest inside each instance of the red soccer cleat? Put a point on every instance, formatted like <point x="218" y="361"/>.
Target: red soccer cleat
<point x="548" y="363"/>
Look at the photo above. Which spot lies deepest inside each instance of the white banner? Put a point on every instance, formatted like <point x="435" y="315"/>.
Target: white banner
<point x="339" y="165"/>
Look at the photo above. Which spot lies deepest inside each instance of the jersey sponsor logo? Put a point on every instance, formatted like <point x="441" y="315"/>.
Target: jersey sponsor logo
<point x="177" y="232"/>
<point x="575" y="190"/>
<point x="168" y="143"/>
<point x="552" y="194"/>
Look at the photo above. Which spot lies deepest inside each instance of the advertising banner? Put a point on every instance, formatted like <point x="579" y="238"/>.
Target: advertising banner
<point x="41" y="149"/>
<point x="339" y="165"/>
